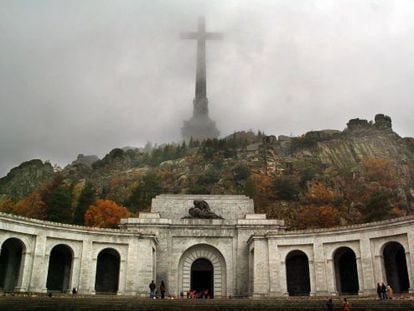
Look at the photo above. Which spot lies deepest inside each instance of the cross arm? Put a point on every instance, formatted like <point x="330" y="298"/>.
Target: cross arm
<point x="189" y="35"/>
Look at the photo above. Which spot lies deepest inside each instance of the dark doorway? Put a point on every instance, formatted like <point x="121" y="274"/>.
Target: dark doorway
<point x="60" y="268"/>
<point x="202" y="276"/>
<point x="297" y="274"/>
<point x="346" y="272"/>
<point x="10" y="263"/>
<point x="395" y="266"/>
<point x="107" y="271"/>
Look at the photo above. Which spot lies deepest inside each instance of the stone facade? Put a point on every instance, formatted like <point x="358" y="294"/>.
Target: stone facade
<point x="243" y="254"/>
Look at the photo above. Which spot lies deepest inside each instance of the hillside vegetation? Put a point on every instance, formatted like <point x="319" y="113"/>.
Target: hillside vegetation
<point x="320" y="179"/>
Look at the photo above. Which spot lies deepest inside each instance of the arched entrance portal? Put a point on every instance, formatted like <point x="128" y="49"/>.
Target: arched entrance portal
<point x="60" y="268"/>
<point x="202" y="266"/>
<point x="346" y="273"/>
<point x="10" y="263"/>
<point x="297" y="274"/>
<point x="107" y="271"/>
<point x="202" y="276"/>
<point x="395" y="266"/>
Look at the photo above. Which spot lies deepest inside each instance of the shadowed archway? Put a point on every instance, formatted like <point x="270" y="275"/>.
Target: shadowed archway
<point x="201" y="265"/>
<point x="107" y="271"/>
<point x="60" y="268"/>
<point x="10" y="263"/>
<point x="395" y="266"/>
<point x="346" y="273"/>
<point x="202" y="276"/>
<point x="297" y="274"/>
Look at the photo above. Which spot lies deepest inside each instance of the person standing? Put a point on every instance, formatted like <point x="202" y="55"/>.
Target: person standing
<point x="162" y="289"/>
<point x="379" y="291"/>
<point x="389" y="291"/>
<point x="152" y="288"/>
<point x="330" y="305"/>
<point x="345" y="305"/>
<point x="383" y="291"/>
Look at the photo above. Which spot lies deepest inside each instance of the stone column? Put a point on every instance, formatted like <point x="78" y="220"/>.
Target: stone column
<point x="25" y="271"/>
<point x="122" y="277"/>
<point x="367" y="267"/>
<point x="74" y="280"/>
<point x="321" y="286"/>
<point x="312" y="278"/>
<point x="40" y="265"/>
<point x="87" y="269"/>
<point x="131" y="268"/>
<point x="274" y="269"/>
<point x="261" y="268"/>
<point x="145" y="266"/>
<point x="409" y="257"/>
<point x="331" y="277"/>
<point x="360" y="275"/>
<point x="283" y="278"/>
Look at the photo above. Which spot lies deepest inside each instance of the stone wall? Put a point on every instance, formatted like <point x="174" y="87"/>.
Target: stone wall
<point x="249" y="254"/>
<point x="39" y="238"/>
<point x="176" y="206"/>
<point x="366" y="241"/>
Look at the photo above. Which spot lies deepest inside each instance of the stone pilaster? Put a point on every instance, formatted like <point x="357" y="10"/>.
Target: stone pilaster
<point x="87" y="269"/>
<point x="321" y="286"/>
<point x="25" y="272"/>
<point x="40" y="265"/>
<point x="409" y="255"/>
<point x="367" y="267"/>
<point x="261" y="268"/>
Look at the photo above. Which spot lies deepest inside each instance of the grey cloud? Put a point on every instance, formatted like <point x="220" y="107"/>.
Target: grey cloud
<point x="88" y="76"/>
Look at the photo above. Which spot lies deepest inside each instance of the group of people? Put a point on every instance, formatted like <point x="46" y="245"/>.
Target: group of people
<point x="160" y="292"/>
<point x="154" y="293"/>
<point x="384" y="292"/>
<point x="202" y="294"/>
<point x="330" y="306"/>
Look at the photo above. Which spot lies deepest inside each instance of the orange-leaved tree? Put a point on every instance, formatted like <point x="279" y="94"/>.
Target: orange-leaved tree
<point x="319" y="194"/>
<point x="32" y="206"/>
<point x="105" y="214"/>
<point x="312" y="216"/>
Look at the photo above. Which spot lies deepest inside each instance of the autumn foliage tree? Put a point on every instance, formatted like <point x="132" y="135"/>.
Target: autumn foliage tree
<point x="313" y="216"/>
<point x="7" y="205"/>
<point x="105" y="214"/>
<point x="32" y="206"/>
<point x="320" y="211"/>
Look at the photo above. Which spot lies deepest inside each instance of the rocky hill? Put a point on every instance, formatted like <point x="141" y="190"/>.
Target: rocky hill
<point x="319" y="179"/>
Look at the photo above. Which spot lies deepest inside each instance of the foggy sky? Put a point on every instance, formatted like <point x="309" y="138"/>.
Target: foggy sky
<point x="86" y="76"/>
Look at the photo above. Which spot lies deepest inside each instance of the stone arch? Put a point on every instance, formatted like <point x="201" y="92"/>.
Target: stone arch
<point x="395" y="266"/>
<point x="297" y="273"/>
<point x="108" y="265"/>
<point x="11" y="263"/>
<point x="346" y="272"/>
<point x="60" y="268"/>
<point x="211" y="254"/>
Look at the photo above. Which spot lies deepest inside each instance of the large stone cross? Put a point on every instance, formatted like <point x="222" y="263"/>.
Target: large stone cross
<point x="201" y="80"/>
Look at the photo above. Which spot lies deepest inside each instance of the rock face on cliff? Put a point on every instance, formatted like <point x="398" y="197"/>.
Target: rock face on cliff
<point x="359" y="140"/>
<point x="25" y="178"/>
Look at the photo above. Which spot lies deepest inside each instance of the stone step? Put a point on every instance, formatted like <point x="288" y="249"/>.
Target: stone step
<point x="104" y="303"/>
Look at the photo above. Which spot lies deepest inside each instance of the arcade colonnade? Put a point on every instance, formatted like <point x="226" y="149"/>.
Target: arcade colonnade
<point x="344" y="260"/>
<point x="39" y="256"/>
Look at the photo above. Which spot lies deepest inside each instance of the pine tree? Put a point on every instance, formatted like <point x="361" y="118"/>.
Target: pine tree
<point x="86" y="198"/>
<point x="59" y="204"/>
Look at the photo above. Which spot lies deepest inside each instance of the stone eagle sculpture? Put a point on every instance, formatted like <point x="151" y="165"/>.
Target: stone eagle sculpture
<point x="201" y="209"/>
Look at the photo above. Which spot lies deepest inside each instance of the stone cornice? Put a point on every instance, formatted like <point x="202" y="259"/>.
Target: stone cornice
<point x="395" y="222"/>
<point x="47" y="225"/>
